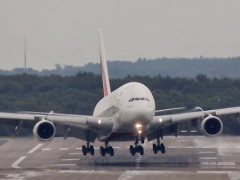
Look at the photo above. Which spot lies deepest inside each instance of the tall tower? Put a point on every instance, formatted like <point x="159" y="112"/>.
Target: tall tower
<point x="25" y="54"/>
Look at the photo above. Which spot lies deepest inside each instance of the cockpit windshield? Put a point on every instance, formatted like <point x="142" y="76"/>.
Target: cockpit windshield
<point x="138" y="99"/>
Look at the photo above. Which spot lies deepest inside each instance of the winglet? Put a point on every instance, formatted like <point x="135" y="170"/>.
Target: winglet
<point x="105" y="77"/>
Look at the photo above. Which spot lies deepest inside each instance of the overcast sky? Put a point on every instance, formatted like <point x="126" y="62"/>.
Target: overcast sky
<point x="66" y="31"/>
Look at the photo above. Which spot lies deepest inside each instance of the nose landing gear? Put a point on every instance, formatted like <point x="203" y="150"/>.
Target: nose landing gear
<point x="106" y="150"/>
<point x="138" y="148"/>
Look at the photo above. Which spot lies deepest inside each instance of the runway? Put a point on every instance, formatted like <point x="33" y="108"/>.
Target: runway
<point x="185" y="158"/>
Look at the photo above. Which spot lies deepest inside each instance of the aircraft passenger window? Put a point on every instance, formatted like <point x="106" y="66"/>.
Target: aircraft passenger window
<point x="136" y="99"/>
<point x="142" y="99"/>
<point x="147" y="99"/>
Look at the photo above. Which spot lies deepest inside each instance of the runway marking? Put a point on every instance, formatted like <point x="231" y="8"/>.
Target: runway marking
<point x="86" y="172"/>
<point x="46" y="149"/>
<point x="35" y="148"/>
<point x="207" y="152"/>
<point x="75" y="153"/>
<point x="55" y="165"/>
<point x="212" y="172"/>
<point x="17" y="162"/>
<point x="63" y="149"/>
<point x="124" y="176"/>
<point x="76" y="159"/>
<point x="94" y="148"/>
<point x="208" y="158"/>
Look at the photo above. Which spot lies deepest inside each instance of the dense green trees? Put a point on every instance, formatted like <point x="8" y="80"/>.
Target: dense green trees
<point x="79" y="94"/>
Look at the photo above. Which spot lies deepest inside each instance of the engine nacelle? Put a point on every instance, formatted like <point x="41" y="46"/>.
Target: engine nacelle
<point x="44" y="130"/>
<point x="211" y="126"/>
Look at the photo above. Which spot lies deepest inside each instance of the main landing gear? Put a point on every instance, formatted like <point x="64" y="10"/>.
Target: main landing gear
<point x="87" y="149"/>
<point x="137" y="148"/>
<point x="158" y="147"/>
<point x="106" y="150"/>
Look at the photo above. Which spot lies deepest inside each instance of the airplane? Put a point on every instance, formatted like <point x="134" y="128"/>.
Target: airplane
<point x="126" y="114"/>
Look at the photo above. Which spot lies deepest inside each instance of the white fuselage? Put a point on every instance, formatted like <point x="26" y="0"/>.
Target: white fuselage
<point x="131" y="104"/>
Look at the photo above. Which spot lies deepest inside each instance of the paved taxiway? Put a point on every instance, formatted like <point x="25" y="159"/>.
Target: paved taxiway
<point x="185" y="158"/>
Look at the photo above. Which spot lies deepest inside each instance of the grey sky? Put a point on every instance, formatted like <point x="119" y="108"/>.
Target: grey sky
<point x="65" y="31"/>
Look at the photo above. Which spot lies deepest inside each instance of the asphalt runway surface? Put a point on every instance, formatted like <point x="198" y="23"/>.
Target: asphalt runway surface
<point x="186" y="158"/>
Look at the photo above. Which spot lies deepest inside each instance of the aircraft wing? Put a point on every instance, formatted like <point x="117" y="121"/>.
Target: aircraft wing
<point x="171" y="122"/>
<point x="79" y="126"/>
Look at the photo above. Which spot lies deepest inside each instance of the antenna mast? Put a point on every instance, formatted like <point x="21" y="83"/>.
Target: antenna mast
<point x="25" y="54"/>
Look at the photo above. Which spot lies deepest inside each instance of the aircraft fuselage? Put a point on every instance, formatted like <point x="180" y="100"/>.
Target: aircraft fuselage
<point x="131" y="108"/>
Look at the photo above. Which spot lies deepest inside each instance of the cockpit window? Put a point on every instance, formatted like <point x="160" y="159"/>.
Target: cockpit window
<point x="139" y="99"/>
<point x="132" y="99"/>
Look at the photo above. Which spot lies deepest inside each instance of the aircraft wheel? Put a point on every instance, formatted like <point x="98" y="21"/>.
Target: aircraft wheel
<point x="132" y="150"/>
<point x="163" y="150"/>
<point x="111" y="151"/>
<point x="92" y="150"/>
<point x="84" y="150"/>
<point x="155" y="148"/>
<point x="141" y="150"/>
<point x="102" y="151"/>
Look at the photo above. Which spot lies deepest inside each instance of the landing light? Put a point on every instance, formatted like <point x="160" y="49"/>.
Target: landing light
<point x="138" y="126"/>
<point x="160" y="120"/>
<point x="139" y="132"/>
<point x="99" y="121"/>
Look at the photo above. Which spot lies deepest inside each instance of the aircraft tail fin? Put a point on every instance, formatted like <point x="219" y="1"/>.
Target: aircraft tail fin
<point x="105" y="77"/>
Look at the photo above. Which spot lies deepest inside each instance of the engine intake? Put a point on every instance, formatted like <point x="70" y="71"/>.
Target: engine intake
<point x="211" y="126"/>
<point x="44" y="130"/>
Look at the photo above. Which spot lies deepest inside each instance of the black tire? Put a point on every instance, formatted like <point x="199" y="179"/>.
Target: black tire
<point x="111" y="151"/>
<point x="163" y="150"/>
<point x="102" y="151"/>
<point x="84" y="150"/>
<point x="92" y="150"/>
<point x="155" y="148"/>
<point x="141" y="150"/>
<point x="132" y="150"/>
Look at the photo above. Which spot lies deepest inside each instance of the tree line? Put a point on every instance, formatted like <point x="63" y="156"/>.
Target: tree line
<point x="78" y="94"/>
<point x="173" y="67"/>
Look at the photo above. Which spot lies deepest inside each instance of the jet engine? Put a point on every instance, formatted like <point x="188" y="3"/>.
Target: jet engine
<point x="44" y="130"/>
<point x="211" y="126"/>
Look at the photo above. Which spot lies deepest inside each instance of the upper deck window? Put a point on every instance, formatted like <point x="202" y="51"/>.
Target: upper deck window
<point x="137" y="99"/>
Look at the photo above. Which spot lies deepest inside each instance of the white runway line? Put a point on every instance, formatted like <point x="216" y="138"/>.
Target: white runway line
<point x="207" y="158"/>
<point x="17" y="162"/>
<point x="94" y="148"/>
<point x="56" y="165"/>
<point x="218" y="163"/>
<point x="211" y="172"/>
<point x="35" y="148"/>
<point x="207" y="152"/>
<point x="76" y="159"/>
<point x="46" y="149"/>
<point x="75" y="153"/>
<point x="63" y="149"/>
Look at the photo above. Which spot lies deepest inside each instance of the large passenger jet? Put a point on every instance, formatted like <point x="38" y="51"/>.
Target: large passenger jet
<point x="126" y="114"/>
